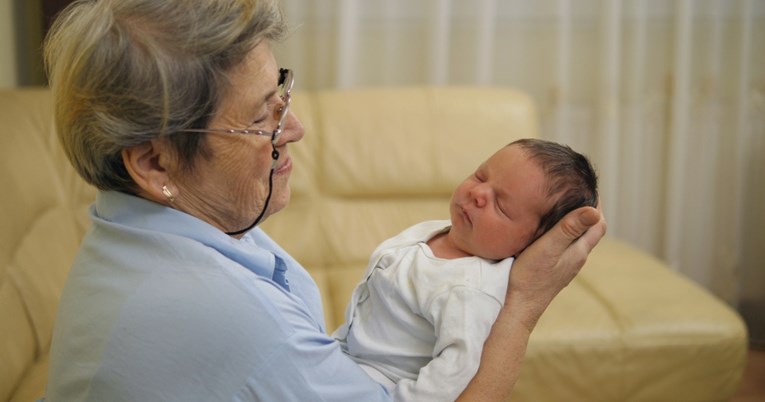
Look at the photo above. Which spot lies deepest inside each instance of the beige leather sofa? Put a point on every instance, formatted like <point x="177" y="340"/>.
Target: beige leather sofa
<point x="372" y="163"/>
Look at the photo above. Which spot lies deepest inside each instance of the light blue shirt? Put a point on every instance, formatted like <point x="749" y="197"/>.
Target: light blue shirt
<point x="161" y="306"/>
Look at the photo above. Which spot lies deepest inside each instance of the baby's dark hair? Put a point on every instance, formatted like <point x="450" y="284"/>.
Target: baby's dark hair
<point x="571" y="179"/>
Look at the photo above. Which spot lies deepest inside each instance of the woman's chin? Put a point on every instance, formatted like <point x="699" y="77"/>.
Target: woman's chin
<point x="279" y="201"/>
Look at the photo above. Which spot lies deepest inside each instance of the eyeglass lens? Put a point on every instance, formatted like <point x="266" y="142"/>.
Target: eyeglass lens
<point x="285" y="85"/>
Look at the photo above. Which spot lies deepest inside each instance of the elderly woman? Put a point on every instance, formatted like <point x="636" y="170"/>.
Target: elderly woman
<point x="179" y="114"/>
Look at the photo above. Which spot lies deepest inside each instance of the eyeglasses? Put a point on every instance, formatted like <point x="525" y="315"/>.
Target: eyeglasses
<point x="286" y="80"/>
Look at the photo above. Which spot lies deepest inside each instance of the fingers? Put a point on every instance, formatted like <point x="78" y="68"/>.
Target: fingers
<point x="572" y="227"/>
<point x="592" y="236"/>
<point x="583" y="219"/>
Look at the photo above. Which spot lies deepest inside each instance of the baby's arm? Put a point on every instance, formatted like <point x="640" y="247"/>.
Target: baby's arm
<point x="462" y="318"/>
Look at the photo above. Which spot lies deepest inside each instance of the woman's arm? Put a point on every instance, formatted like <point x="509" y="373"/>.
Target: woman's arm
<point x="538" y="274"/>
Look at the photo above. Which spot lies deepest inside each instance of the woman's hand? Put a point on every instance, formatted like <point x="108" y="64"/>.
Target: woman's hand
<point x="546" y="266"/>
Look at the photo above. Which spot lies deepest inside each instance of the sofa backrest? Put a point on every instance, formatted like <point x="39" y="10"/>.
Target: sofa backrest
<point x="42" y="219"/>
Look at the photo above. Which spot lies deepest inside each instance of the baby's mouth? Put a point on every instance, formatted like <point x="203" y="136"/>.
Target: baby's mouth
<point x="466" y="215"/>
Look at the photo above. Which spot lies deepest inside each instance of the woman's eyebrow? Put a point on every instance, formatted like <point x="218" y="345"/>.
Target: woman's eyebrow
<point x="270" y="95"/>
<point x="266" y="97"/>
<point x="264" y="101"/>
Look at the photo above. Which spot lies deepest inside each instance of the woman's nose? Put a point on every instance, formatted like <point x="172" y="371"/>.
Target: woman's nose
<point x="293" y="129"/>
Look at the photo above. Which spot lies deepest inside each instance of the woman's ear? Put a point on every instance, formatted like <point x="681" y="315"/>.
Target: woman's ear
<point x="147" y="165"/>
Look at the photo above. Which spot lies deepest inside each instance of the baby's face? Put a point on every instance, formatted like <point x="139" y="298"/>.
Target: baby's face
<point x="497" y="209"/>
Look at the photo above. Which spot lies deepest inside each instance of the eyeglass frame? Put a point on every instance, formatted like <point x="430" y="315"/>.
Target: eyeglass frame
<point x="287" y="80"/>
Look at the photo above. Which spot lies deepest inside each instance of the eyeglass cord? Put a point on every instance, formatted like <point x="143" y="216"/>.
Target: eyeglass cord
<point x="275" y="156"/>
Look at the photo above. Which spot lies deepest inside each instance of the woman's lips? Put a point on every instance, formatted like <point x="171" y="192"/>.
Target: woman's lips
<point x="284" y="167"/>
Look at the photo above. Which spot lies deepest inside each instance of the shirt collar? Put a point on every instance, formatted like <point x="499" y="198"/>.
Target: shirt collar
<point x="255" y="250"/>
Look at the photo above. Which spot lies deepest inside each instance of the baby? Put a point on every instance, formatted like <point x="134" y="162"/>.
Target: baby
<point x="417" y="321"/>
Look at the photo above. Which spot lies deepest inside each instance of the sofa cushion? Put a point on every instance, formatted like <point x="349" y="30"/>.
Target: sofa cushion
<point x="32" y="386"/>
<point x="636" y="329"/>
<point x="17" y="338"/>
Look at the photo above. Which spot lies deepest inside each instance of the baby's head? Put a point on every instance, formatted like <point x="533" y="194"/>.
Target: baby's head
<point x="517" y="195"/>
<point x="571" y="179"/>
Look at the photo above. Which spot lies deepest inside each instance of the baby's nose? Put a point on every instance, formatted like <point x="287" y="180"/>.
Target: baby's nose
<point x="480" y="196"/>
